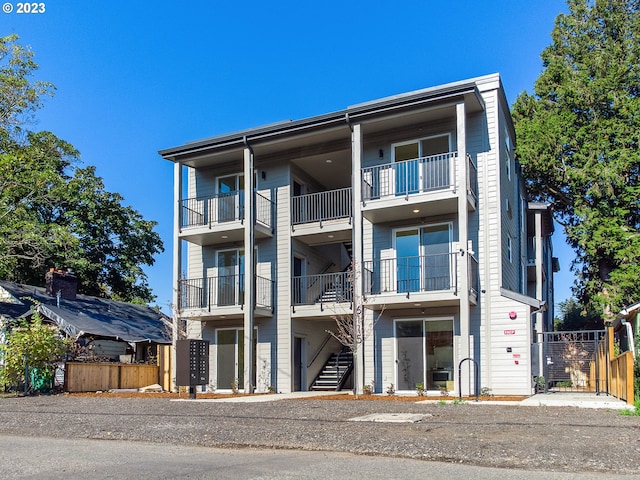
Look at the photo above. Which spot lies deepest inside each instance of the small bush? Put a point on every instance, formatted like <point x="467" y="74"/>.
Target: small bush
<point x="37" y="344"/>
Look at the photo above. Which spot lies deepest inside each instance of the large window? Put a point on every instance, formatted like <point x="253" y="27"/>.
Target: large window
<point x="424" y="260"/>
<point x="415" y="172"/>
<point x="424" y="354"/>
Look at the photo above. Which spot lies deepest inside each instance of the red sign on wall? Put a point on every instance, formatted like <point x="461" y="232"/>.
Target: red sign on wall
<point x="509" y="332"/>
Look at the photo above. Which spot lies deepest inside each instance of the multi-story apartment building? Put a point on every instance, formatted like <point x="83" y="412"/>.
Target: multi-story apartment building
<point x="409" y="211"/>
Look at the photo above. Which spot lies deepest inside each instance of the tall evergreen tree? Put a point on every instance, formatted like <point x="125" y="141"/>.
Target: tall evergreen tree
<point x="578" y="143"/>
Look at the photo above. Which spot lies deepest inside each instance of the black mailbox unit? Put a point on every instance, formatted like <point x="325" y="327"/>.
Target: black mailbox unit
<point x="192" y="363"/>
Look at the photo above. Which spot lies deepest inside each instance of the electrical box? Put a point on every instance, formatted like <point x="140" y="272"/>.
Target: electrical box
<point x="192" y="362"/>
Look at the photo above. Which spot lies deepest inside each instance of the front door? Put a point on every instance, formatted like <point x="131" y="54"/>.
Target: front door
<point x="230" y="277"/>
<point x="436" y="243"/>
<point x="408" y="261"/>
<point x="424" y="354"/>
<point x="298" y="364"/>
<point x="230" y="358"/>
<point x="230" y="198"/>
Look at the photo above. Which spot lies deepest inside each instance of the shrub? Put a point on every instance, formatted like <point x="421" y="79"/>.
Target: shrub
<point x="41" y="347"/>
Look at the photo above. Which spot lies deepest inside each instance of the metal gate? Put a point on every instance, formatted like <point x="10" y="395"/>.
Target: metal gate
<point x="571" y="361"/>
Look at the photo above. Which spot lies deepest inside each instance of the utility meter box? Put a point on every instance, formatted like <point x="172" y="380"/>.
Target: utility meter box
<point x="192" y="362"/>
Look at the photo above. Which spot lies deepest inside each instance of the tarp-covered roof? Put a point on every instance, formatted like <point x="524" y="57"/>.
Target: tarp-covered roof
<point x="89" y="315"/>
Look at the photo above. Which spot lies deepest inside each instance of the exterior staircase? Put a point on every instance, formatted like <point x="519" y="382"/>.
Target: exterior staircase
<point x="335" y="372"/>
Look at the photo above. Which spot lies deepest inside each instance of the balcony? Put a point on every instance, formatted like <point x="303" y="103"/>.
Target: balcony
<point x="427" y="278"/>
<point x="321" y="295"/>
<point x="222" y="297"/>
<point x="220" y="218"/>
<point x="396" y="191"/>
<point x="322" y="217"/>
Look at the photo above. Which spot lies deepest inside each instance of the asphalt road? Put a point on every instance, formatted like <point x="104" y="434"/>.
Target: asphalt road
<point x="49" y="458"/>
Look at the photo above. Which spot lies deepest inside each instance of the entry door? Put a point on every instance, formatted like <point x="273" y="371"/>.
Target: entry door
<point x="230" y="198"/>
<point x="298" y="365"/>
<point x="410" y="354"/>
<point x="299" y="283"/>
<point x="230" y="357"/>
<point x="435" y="172"/>
<point x="408" y="261"/>
<point x="407" y="169"/>
<point x="230" y="277"/>
<point x="436" y="245"/>
<point x="424" y="354"/>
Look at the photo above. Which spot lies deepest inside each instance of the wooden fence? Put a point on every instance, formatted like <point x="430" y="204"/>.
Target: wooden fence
<point x="617" y="379"/>
<point x="93" y="377"/>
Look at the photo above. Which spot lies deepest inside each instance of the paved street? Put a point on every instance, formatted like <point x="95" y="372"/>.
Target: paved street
<point x="47" y="458"/>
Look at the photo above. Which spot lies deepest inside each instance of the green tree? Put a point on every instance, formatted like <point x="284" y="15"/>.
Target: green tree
<point x="54" y="212"/>
<point x="35" y="343"/>
<point x="577" y="317"/>
<point x="578" y="145"/>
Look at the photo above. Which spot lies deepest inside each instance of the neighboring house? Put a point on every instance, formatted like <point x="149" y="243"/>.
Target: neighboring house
<point x="626" y="326"/>
<point x="420" y="192"/>
<point x="106" y="329"/>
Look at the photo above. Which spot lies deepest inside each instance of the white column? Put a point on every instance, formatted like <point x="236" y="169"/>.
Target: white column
<point x="177" y="263"/>
<point x="356" y="164"/>
<point x="463" y="239"/>
<point x="539" y="326"/>
<point x="249" y="267"/>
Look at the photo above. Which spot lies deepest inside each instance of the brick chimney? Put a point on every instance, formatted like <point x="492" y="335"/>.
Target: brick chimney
<point x="61" y="281"/>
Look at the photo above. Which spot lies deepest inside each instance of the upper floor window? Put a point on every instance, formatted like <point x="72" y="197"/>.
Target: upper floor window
<point x="421" y="148"/>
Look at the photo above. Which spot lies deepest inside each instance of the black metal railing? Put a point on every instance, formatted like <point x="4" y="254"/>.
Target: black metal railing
<point x="321" y="206"/>
<point x="425" y="273"/>
<point x="435" y="172"/>
<point x="322" y="288"/>
<point x="222" y="290"/>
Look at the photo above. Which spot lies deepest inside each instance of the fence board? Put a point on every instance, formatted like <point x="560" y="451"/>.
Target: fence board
<point x="92" y="377"/>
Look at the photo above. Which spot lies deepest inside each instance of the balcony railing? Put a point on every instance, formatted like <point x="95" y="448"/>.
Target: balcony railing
<point x="222" y="291"/>
<point x="220" y="208"/>
<point x="472" y="178"/>
<point x="409" y="177"/>
<point x="425" y="273"/>
<point x="264" y="210"/>
<point x="321" y="289"/>
<point x="474" y="275"/>
<point x="321" y="206"/>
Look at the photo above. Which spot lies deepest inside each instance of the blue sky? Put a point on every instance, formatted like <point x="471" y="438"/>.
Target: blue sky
<point x="136" y="77"/>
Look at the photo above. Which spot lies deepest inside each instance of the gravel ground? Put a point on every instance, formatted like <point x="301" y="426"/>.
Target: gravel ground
<point x="532" y="438"/>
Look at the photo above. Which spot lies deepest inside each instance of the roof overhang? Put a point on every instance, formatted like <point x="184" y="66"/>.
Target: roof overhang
<point x="465" y="91"/>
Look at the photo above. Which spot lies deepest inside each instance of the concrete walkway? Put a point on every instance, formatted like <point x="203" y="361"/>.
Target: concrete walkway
<point x="576" y="399"/>
<point x="551" y="399"/>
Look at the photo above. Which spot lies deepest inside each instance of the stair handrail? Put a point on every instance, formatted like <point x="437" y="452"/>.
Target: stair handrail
<point x="319" y="350"/>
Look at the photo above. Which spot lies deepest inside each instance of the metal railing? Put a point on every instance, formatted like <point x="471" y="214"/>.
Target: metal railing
<point x="472" y="177"/>
<point x="425" y="273"/>
<point x="264" y="210"/>
<point x="322" y="288"/>
<point x="223" y="290"/>
<point x="225" y="207"/>
<point x="203" y="211"/>
<point x="321" y="206"/>
<point x="474" y="275"/>
<point x="408" y="177"/>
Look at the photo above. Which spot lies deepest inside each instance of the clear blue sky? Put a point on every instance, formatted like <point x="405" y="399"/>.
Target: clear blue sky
<point x="136" y="77"/>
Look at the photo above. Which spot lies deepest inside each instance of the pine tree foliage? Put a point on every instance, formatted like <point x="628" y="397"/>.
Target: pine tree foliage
<point x="578" y="143"/>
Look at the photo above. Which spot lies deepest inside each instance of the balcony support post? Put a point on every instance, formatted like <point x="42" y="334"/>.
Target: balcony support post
<point x="249" y="266"/>
<point x="466" y="349"/>
<point x="358" y="254"/>
<point x="177" y="260"/>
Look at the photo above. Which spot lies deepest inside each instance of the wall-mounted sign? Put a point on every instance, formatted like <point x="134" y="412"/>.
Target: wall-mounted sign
<point x="509" y="332"/>
<point x="516" y="355"/>
<point x="513" y="315"/>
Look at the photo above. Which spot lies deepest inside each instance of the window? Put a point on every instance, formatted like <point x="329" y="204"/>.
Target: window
<point x="419" y="165"/>
<point x="423" y="258"/>
<point x="509" y="249"/>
